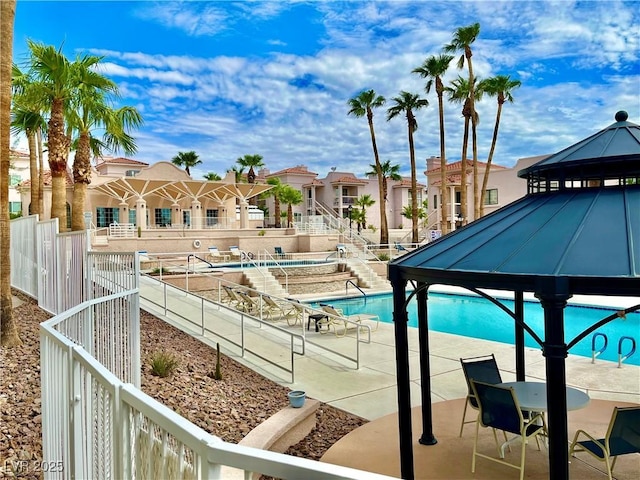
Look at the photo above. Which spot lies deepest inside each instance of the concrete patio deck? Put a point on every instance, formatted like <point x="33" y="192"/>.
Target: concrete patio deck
<point x="370" y="392"/>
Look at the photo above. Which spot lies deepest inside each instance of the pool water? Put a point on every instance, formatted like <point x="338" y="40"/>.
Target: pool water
<point x="476" y="317"/>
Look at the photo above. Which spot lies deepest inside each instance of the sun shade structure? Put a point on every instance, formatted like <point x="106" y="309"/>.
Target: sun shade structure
<point x="577" y="231"/>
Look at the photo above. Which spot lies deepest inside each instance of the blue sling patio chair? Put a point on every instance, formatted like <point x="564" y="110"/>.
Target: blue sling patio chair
<point x="622" y="438"/>
<point x="482" y="369"/>
<point x="500" y="410"/>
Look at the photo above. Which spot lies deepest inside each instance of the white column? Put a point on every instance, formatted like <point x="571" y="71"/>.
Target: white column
<point x="123" y="212"/>
<point x="452" y="204"/>
<point x="176" y="214"/>
<point x="141" y="213"/>
<point x="244" y="214"/>
<point x="196" y="215"/>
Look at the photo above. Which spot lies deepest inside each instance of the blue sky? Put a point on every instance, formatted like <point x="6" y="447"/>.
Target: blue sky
<point x="229" y="78"/>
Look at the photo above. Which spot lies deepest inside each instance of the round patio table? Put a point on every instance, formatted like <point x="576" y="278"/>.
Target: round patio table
<point x="532" y="396"/>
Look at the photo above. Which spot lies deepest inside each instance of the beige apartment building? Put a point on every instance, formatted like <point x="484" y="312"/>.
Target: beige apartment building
<point x="503" y="187"/>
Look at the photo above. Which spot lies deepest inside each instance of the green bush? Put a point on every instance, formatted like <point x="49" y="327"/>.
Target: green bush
<point x="163" y="363"/>
<point x="158" y="271"/>
<point x="383" y="256"/>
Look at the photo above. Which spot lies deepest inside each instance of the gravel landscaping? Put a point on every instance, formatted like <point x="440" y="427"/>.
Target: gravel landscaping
<point x="228" y="408"/>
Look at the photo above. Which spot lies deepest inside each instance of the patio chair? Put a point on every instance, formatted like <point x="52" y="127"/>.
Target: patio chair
<point x="236" y="253"/>
<point x="340" y="322"/>
<point x="482" y="369"/>
<point x="400" y="248"/>
<point x="500" y="410"/>
<point x="249" y="304"/>
<point x="216" y="256"/>
<point x="279" y="252"/>
<point x="298" y="312"/>
<point x="277" y="310"/>
<point x="232" y="299"/>
<point x="622" y="438"/>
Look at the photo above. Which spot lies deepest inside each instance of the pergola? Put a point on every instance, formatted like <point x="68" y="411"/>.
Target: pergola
<point x="126" y="189"/>
<point x="577" y="231"/>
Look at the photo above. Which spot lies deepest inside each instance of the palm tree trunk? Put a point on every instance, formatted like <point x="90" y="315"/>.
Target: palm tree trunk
<point x="485" y="179"/>
<point x="276" y="208"/>
<point x="81" y="178"/>
<point x="8" y="328"/>
<point x="463" y="173"/>
<point x="444" y="192"/>
<point x="33" y="173"/>
<point x="384" y="229"/>
<point x="414" y="188"/>
<point x="58" y="145"/>
<point x="40" y="175"/>
<point x="476" y="190"/>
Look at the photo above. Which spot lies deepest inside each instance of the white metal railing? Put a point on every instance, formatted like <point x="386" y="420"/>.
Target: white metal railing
<point x="96" y="425"/>
<point x="24" y="259"/>
<point x="122" y="230"/>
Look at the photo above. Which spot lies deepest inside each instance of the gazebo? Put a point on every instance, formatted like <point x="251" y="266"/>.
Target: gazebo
<point x="577" y="231"/>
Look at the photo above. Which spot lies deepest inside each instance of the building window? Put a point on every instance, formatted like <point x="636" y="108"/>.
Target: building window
<point x="105" y="216"/>
<point x="419" y="197"/>
<point x="163" y="217"/>
<point x="435" y="202"/>
<point x="15" y="207"/>
<point x="491" y="196"/>
<point x="132" y="216"/>
<point x="211" y="217"/>
<point x="186" y="218"/>
<point x="131" y="173"/>
<point x="14" y="180"/>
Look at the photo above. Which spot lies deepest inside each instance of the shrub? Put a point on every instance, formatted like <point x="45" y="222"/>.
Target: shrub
<point x="262" y="233"/>
<point x="158" y="271"/>
<point x="383" y="257"/>
<point x="163" y="363"/>
<point x="139" y="231"/>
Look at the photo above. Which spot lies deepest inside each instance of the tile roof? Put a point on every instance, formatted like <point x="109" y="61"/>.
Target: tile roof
<point x="406" y="183"/>
<point x="298" y="169"/>
<point x="458" y="166"/>
<point x="118" y="161"/>
<point x="350" y="179"/>
<point x="46" y="179"/>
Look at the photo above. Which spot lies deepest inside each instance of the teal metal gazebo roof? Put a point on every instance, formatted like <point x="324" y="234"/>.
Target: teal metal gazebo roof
<point x="581" y="219"/>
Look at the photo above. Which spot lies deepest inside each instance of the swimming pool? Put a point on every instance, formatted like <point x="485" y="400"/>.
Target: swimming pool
<point x="476" y="317"/>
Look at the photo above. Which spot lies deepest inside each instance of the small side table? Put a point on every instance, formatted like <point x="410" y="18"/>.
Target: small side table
<point x="316" y="317"/>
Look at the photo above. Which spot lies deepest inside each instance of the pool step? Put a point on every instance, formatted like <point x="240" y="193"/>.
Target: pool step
<point x="367" y="277"/>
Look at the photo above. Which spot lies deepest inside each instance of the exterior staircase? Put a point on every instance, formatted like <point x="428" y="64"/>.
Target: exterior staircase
<point x="367" y="278"/>
<point x="261" y="279"/>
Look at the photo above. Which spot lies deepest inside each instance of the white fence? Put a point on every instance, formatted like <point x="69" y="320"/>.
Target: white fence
<point x="96" y="422"/>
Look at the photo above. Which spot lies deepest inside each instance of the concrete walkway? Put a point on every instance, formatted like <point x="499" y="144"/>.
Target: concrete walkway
<point x="370" y="391"/>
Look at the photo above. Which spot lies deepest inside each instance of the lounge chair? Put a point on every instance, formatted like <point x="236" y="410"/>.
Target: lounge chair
<point x="236" y="253"/>
<point x="216" y="256"/>
<point x="232" y="299"/>
<point x="249" y="304"/>
<point x="500" y="410"/>
<point x="277" y="310"/>
<point x="341" y="322"/>
<point x="279" y="252"/>
<point x="299" y="310"/>
<point x="400" y="248"/>
<point x="482" y="369"/>
<point x="622" y="438"/>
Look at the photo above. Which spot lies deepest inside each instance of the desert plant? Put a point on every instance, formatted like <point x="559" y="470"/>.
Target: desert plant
<point x="163" y="363"/>
<point x="139" y="231"/>
<point x="262" y="233"/>
<point x="383" y="257"/>
<point x="158" y="271"/>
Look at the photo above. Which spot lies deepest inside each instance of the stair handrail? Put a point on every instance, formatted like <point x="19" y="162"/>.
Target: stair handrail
<point x="276" y="264"/>
<point x="346" y="288"/>
<point x="332" y="218"/>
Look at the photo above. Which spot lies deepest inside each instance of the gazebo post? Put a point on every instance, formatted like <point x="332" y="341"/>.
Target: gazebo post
<point x="427" y="437"/>
<point x="553" y="298"/>
<point x="400" y="320"/>
<point x="519" y="335"/>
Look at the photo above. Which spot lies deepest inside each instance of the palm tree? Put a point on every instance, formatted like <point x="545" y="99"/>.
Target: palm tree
<point x="463" y="38"/>
<point x="251" y="161"/>
<point x="53" y="87"/>
<point x="30" y="123"/>
<point x="388" y="172"/>
<point x="89" y="111"/>
<point x="458" y="93"/>
<point x="237" y="172"/>
<point x="409" y="102"/>
<point x="499" y="86"/>
<point x="433" y="69"/>
<point x="290" y="196"/>
<point x="212" y="177"/>
<point x="361" y="105"/>
<point x="8" y="327"/>
<point x="186" y="160"/>
<point x="276" y="193"/>
<point x="365" y="201"/>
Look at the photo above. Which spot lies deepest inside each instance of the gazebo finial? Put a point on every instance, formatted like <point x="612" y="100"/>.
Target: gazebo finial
<point x="621" y="116"/>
